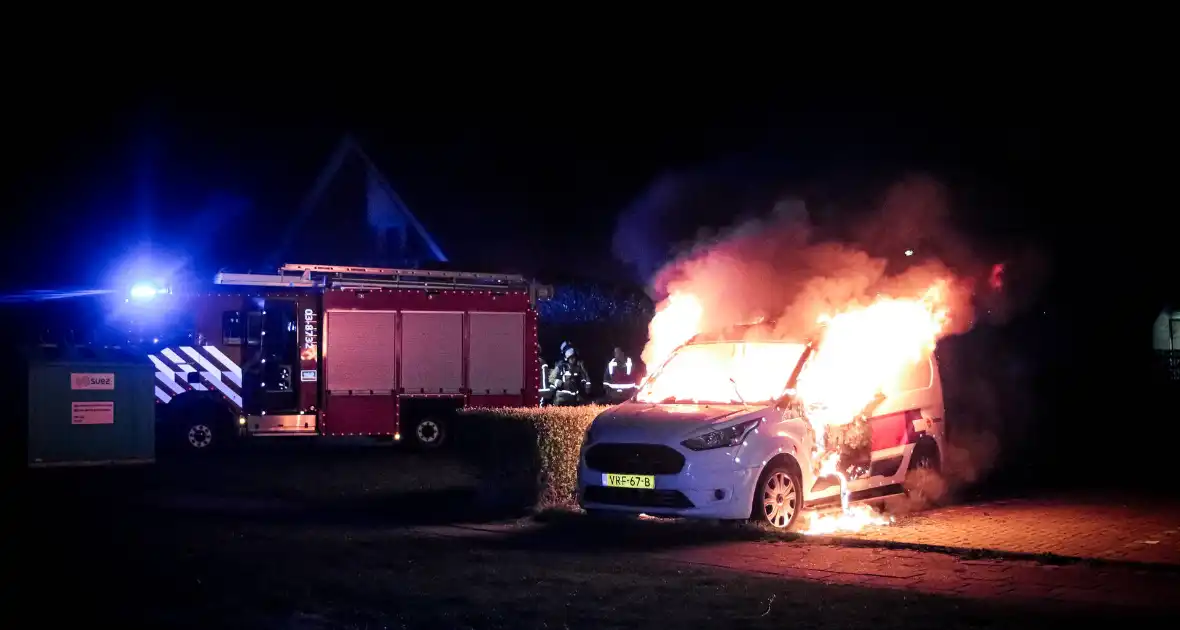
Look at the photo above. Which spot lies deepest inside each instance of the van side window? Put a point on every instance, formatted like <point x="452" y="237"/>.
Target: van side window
<point x="918" y="377"/>
<point x="232" y="328"/>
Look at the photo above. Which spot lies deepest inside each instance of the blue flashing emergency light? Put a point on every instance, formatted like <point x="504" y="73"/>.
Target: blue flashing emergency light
<point x="144" y="291"/>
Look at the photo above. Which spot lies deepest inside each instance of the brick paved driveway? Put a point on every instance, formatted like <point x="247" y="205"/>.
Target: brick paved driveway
<point x="1077" y="584"/>
<point x="1128" y="529"/>
<point x="943" y="574"/>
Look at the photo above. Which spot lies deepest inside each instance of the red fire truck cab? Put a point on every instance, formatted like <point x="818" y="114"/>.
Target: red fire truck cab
<point x="344" y="351"/>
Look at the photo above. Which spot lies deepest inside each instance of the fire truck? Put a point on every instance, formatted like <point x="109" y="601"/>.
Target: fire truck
<point x="318" y="350"/>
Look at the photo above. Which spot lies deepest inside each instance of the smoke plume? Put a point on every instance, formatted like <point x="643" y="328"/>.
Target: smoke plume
<point x="783" y="267"/>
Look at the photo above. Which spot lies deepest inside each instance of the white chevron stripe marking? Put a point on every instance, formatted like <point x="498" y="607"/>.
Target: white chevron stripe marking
<point x="173" y="357"/>
<point x="235" y="370"/>
<point x="202" y="361"/>
<point x="160" y="365"/>
<point x="223" y="388"/>
<point x="213" y="375"/>
<point x="169" y="379"/>
<point x="188" y="369"/>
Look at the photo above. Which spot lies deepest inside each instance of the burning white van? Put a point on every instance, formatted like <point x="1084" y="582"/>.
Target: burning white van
<point x="737" y="425"/>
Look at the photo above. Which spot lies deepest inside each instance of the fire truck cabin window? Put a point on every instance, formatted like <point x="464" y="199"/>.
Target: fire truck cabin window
<point x="232" y="328"/>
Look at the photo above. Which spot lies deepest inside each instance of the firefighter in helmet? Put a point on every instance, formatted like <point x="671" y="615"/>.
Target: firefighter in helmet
<point x="549" y="372"/>
<point x="621" y="377"/>
<point x="570" y="381"/>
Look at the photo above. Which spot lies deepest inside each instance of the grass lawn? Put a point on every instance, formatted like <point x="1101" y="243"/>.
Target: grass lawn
<point x="88" y="547"/>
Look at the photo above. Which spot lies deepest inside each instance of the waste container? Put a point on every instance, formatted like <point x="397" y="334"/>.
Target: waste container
<point x="89" y="405"/>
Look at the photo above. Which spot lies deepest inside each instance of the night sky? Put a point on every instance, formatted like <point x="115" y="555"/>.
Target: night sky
<point x="526" y="179"/>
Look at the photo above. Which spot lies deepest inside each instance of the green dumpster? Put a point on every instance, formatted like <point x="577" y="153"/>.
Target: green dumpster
<point x="89" y="405"/>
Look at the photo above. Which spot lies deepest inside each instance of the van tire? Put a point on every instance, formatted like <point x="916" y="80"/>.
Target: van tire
<point x="924" y="485"/>
<point x="780" y="484"/>
<point x="925" y="456"/>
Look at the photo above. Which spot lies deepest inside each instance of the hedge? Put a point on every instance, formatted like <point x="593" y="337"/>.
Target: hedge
<point x="526" y="455"/>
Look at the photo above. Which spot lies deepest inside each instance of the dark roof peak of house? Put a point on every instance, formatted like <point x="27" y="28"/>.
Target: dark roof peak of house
<point x="349" y="150"/>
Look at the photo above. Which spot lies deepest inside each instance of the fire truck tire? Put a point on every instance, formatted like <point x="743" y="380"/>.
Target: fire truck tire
<point x="778" y="497"/>
<point x="428" y="432"/>
<point x="201" y="428"/>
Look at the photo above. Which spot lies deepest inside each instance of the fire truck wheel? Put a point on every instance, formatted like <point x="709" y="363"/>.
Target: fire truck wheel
<point x="428" y="432"/>
<point x="200" y="436"/>
<point x="201" y="428"/>
<point x="778" y="497"/>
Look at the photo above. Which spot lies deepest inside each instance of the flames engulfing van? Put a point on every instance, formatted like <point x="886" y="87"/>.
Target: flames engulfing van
<point x="715" y="434"/>
<point x="330" y="350"/>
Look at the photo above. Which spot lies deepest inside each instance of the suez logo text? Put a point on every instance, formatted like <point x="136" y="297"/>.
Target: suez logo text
<point x="92" y="381"/>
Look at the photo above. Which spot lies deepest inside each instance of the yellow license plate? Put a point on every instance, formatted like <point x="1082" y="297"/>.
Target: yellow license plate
<point x="640" y="482"/>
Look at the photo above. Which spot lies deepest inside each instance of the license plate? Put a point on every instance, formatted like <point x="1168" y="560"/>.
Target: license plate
<point x="641" y="482"/>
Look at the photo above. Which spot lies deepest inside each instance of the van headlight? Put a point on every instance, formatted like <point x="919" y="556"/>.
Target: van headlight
<point x="721" y="438"/>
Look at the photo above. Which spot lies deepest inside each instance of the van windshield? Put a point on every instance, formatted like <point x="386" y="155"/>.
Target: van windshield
<point x="702" y="373"/>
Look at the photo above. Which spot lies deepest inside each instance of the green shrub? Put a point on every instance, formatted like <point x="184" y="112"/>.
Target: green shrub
<point x="526" y="454"/>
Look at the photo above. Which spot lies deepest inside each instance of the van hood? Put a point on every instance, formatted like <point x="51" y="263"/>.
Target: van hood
<point x="647" y="422"/>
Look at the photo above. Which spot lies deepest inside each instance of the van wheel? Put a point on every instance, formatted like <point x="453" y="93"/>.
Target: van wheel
<point x="923" y="484"/>
<point x="428" y="433"/>
<point x="778" y="497"/>
<point x="925" y="457"/>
